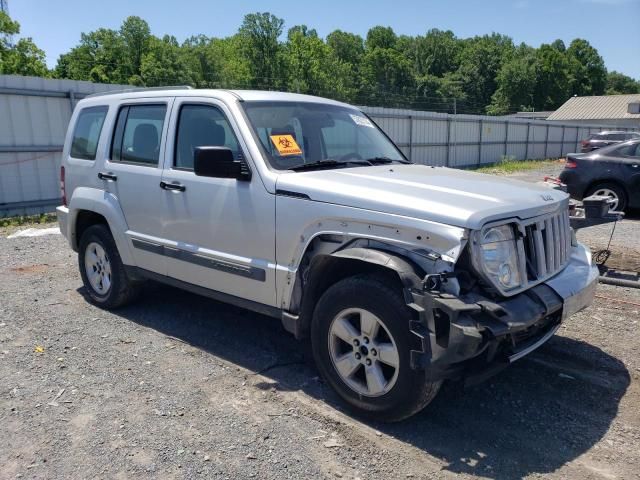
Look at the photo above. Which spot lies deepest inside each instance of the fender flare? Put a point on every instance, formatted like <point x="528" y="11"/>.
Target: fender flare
<point x="406" y="270"/>
<point x="107" y="205"/>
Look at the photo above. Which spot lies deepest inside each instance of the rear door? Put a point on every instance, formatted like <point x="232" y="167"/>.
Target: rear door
<point x="630" y="171"/>
<point x="221" y="230"/>
<point x="133" y="171"/>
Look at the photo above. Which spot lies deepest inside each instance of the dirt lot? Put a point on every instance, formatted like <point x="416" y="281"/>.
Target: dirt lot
<point x="178" y="386"/>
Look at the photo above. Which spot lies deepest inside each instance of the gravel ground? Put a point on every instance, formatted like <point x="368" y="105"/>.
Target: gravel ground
<point x="179" y="386"/>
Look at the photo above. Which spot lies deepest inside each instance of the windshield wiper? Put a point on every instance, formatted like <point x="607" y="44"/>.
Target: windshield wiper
<point x="384" y="160"/>
<point x="328" y="163"/>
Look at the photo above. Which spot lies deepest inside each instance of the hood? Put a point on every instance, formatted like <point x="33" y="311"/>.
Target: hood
<point x="444" y="195"/>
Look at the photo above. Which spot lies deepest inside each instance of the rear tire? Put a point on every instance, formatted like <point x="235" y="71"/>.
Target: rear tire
<point x="361" y="342"/>
<point x="102" y="271"/>
<point x="611" y="190"/>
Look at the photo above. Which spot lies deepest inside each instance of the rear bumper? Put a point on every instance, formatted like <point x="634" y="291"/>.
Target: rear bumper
<point x="475" y="336"/>
<point x="576" y="184"/>
<point x="62" y="213"/>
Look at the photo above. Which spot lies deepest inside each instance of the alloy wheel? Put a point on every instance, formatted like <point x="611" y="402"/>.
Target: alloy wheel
<point x="363" y="352"/>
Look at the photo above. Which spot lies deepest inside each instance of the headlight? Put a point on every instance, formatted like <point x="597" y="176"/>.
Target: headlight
<point x="499" y="256"/>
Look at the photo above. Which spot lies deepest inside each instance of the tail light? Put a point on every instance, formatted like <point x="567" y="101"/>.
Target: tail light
<point x="584" y="143"/>
<point x="571" y="164"/>
<point x="62" y="187"/>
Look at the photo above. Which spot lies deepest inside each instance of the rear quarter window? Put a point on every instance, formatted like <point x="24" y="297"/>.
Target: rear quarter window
<point x="86" y="133"/>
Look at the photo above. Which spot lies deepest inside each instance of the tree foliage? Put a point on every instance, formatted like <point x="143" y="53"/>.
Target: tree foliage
<point x="618" y="83"/>
<point x="21" y="58"/>
<point x="434" y="71"/>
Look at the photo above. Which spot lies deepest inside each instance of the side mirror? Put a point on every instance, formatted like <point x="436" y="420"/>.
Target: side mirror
<point x="218" y="162"/>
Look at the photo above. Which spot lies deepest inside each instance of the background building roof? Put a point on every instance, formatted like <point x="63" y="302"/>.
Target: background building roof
<point x="597" y="108"/>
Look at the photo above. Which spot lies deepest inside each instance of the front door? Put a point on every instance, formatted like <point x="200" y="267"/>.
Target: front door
<point x="132" y="172"/>
<point x="222" y="230"/>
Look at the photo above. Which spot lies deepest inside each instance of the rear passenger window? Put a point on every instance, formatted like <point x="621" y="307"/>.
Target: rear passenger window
<point x="136" y="138"/>
<point x="202" y="126"/>
<point x="632" y="150"/>
<point x="87" y="132"/>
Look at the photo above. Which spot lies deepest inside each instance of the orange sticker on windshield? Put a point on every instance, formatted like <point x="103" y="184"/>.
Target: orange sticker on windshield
<point x="286" y="145"/>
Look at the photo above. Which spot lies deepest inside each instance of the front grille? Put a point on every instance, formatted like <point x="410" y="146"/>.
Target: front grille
<point x="545" y="246"/>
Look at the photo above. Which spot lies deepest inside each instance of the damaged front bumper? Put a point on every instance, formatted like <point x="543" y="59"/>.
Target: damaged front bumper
<point x="474" y="336"/>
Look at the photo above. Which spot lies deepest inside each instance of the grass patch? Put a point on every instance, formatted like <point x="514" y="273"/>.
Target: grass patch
<point x="21" y="221"/>
<point x="510" y="165"/>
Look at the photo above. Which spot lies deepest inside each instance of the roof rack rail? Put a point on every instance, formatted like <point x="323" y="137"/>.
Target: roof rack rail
<point x="140" y="89"/>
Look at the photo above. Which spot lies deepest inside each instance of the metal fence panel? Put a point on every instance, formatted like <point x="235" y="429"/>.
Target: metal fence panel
<point x="34" y="113"/>
<point x="478" y="139"/>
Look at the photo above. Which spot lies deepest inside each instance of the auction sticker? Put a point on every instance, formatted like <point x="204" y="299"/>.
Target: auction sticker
<point x="362" y="121"/>
<point x="286" y="145"/>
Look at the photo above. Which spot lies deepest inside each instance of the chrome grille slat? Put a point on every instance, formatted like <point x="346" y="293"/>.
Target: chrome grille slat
<point x="546" y="246"/>
<point x="540" y="253"/>
<point x="550" y="250"/>
<point x="555" y="221"/>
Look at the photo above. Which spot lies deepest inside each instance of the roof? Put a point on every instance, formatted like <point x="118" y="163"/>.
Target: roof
<point x="542" y="115"/>
<point x="614" y="107"/>
<point x="248" y="95"/>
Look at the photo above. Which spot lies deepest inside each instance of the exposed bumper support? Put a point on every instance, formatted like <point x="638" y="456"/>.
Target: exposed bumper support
<point x="474" y="336"/>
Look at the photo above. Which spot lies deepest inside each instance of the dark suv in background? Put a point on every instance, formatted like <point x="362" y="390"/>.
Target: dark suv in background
<point x="604" y="139"/>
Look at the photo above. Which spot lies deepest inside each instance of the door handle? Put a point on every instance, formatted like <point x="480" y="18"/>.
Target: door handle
<point x="176" y="187"/>
<point x="107" y="176"/>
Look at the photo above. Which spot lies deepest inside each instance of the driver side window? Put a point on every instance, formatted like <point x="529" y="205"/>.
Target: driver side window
<point x="202" y="126"/>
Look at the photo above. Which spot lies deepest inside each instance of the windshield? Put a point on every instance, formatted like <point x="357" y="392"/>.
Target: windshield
<point x="294" y="135"/>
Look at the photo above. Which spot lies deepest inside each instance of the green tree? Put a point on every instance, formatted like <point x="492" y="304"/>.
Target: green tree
<point x="618" y="83"/>
<point x="589" y="75"/>
<point x="347" y="47"/>
<point x="516" y="83"/>
<point x="164" y="64"/>
<point x="553" y="78"/>
<point x="481" y="59"/>
<point x="381" y="37"/>
<point x="307" y="61"/>
<point x="136" y="38"/>
<point x="436" y="53"/>
<point x="23" y="58"/>
<point x="260" y="33"/>
<point x="387" y="78"/>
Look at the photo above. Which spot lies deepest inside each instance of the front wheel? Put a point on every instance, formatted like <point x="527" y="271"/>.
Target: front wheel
<point x="361" y="343"/>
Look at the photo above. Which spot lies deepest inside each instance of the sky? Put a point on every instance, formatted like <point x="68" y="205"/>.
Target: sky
<point x="612" y="26"/>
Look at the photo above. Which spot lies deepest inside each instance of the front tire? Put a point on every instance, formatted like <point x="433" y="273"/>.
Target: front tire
<point x="361" y="342"/>
<point x="102" y="270"/>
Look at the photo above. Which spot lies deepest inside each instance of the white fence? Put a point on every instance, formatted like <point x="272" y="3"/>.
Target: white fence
<point x="34" y="114"/>
<point x="470" y="140"/>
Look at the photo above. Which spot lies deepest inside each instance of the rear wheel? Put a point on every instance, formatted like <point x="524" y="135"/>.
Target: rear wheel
<point x="102" y="270"/>
<point x="361" y="343"/>
<point x="613" y="191"/>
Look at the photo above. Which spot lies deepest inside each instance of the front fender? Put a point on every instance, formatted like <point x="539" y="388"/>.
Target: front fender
<point x="107" y="205"/>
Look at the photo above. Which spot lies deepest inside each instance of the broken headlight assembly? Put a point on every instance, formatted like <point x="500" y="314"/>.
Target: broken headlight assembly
<point x="495" y="255"/>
